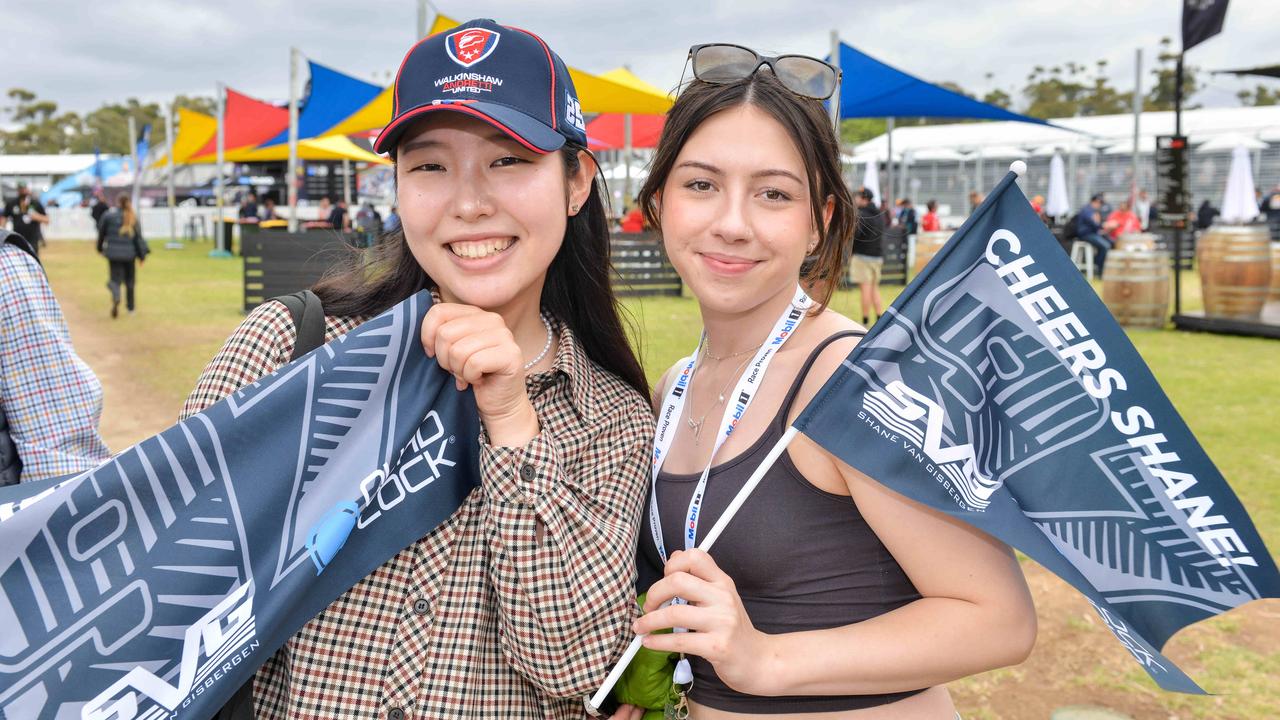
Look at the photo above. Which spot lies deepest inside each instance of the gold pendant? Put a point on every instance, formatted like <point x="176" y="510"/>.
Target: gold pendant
<point x="697" y="426"/>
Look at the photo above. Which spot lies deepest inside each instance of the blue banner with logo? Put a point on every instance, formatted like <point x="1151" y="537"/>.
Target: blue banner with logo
<point x="156" y="584"/>
<point x="998" y="389"/>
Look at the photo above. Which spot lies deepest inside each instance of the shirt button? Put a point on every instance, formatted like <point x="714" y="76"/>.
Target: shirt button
<point x="397" y="714"/>
<point x="421" y="606"/>
<point x="528" y="472"/>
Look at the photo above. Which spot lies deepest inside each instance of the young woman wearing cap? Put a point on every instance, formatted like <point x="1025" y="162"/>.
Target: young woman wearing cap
<point x="516" y="605"/>
<point x="827" y="595"/>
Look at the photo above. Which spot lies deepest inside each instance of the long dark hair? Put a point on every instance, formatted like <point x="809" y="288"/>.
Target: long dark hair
<point x="810" y="129"/>
<point x="578" y="290"/>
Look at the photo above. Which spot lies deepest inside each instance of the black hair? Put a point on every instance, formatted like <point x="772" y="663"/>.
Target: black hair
<point x="578" y="289"/>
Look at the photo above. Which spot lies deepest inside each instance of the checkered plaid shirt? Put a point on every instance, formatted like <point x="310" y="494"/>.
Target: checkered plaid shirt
<point x="51" y="399"/>
<point x="514" y="607"/>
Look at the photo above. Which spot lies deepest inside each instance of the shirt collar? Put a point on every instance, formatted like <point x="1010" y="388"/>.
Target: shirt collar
<point x="571" y="365"/>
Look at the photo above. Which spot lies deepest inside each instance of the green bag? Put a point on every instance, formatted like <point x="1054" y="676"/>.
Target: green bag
<point x="647" y="681"/>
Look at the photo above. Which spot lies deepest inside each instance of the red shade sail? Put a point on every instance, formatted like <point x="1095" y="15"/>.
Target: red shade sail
<point x="249" y="123"/>
<point x="608" y="131"/>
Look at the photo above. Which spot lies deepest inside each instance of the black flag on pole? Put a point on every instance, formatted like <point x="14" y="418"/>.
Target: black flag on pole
<point x="1201" y="20"/>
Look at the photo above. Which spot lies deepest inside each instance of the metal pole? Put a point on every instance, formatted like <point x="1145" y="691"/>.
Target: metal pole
<point x="218" y="249"/>
<point x="626" y="159"/>
<point x="833" y="106"/>
<point x="1137" y="120"/>
<point x="291" y="181"/>
<point x="133" y="160"/>
<point x="1093" y="171"/>
<point x="173" y="243"/>
<point x="1177" y="226"/>
<point x="888" y="180"/>
<point x="346" y="183"/>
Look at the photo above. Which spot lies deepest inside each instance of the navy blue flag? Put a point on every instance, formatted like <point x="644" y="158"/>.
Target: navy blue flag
<point x="1201" y="20"/>
<point x="999" y="390"/>
<point x="156" y="584"/>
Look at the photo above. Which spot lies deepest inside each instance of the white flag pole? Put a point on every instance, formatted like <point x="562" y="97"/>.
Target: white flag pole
<point x="780" y="447"/>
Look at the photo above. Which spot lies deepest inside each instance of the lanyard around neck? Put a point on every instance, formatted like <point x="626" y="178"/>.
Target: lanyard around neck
<point x="735" y="409"/>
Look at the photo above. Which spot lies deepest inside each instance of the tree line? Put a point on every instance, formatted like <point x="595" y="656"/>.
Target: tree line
<point x="42" y="129"/>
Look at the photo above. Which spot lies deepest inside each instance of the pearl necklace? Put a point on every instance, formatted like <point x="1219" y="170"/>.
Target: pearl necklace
<point x="550" y="335"/>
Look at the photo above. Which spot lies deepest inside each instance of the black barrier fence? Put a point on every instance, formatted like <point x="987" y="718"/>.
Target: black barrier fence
<point x="278" y="263"/>
<point x="642" y="265"/>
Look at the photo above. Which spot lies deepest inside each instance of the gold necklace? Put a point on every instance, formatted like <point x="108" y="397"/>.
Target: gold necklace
<point x="697" y="425"/>
<point x="730" y="355"/>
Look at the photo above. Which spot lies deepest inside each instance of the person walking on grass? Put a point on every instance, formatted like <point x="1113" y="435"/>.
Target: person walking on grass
<point x="120" y="241"/>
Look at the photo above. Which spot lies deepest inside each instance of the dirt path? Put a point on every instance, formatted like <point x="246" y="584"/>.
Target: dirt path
<point x="131" y="411"/>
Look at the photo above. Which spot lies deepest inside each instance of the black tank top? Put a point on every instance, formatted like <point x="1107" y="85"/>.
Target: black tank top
<point x="801" y="558"/>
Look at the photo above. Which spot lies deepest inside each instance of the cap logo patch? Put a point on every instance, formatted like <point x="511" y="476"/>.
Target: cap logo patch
<point x="573" y="112"/>
<point x="468" y="47"/>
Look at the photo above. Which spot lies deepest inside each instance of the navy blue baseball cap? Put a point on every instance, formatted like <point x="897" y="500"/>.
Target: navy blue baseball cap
<point x="505" y="76"/>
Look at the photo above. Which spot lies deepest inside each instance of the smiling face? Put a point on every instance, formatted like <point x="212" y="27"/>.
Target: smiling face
<point x="483" y="215"/>
<point x="735" y="212"/>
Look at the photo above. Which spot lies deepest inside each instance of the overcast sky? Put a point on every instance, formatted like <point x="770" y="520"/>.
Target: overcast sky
<point x="81" y="54"/>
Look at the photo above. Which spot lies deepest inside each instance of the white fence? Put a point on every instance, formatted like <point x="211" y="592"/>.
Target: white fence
<point x="77" y="224"/>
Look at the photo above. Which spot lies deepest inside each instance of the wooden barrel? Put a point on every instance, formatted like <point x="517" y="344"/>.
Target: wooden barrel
<point x="1235" y="270"/>
<point x="1138" y="241"/>
<point x="1135" y="287"/>
<point x="927" y="245"/>
<point x="1275" y="271"/>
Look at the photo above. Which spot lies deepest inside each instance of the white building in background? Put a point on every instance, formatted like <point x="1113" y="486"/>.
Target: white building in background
<point x="39" y="172"/>
<point x="1098" y="152"/>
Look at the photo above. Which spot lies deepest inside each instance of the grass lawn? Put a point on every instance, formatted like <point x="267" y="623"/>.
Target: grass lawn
<point x="1226" y="388"/>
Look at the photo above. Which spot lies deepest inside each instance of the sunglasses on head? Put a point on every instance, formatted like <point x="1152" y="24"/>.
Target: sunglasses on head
<point x="723" y="63"/>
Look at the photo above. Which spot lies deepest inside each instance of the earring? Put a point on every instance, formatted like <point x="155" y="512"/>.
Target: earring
<point x="573" y="209"/>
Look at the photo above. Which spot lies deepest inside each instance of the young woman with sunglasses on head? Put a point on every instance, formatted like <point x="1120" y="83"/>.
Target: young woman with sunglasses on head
<point x="827" y="595"/>
<point x="515" y="605"/>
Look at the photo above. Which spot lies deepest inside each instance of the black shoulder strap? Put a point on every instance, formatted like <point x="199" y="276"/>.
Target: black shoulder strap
<point x="308" y="321"/>
<point x="808" y="363"/>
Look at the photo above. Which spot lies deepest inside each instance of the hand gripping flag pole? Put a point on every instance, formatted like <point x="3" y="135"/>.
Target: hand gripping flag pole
<point x="999" y="390"/>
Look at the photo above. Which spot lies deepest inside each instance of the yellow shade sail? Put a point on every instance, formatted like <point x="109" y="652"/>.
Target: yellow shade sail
<point x="623" y="76"/>
<point x="370" y="117"/>
<point x="330" y="147"/>
<point x="194" y="131"/>
<point x="597" y="93"/>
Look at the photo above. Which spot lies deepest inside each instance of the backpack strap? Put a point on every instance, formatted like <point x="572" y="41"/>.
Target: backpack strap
<point x="307" y="312"/>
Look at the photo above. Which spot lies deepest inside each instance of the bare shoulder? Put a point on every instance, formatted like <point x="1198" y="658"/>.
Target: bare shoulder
<point x="818" y="329"/>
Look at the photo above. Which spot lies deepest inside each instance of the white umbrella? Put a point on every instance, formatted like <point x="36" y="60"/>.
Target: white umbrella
<point x="1048" y="150"/>
<point x="1231" y="141"/>
<point x="1001" y="151"/>
<point x="1146" y="144"/>
<point x="1056" y="203"/>
<point x="871" y="180"/>
<point x="936" y="154"/>
<point x="1238" y="202"/>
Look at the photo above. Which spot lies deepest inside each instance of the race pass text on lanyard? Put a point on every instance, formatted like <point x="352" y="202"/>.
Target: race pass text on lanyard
<point x="735" y="410"/>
